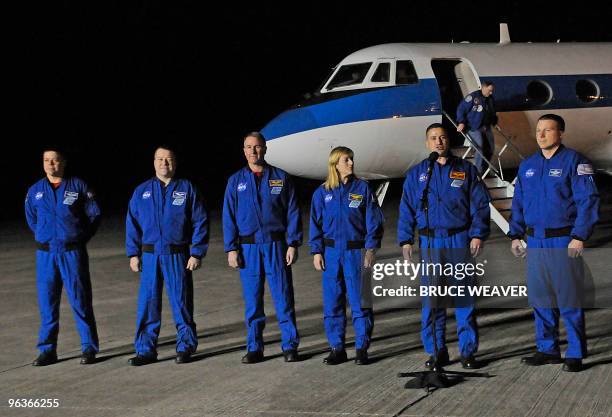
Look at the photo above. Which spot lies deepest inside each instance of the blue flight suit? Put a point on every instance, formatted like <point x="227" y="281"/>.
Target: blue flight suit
<point x="261" y="218"/>
<point x="555" y="200"/>
<point x="161" y="224"/>
<point x="63" y="221"/>
<point x="458" y="212"/>
<point x="343" y="221"/>
<point x="478" y="113"/>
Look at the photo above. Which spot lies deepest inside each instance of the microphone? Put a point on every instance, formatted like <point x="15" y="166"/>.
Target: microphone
<point x="433" y="157"/>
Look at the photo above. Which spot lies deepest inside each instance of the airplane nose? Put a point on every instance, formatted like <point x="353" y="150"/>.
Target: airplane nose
<point x="290" y="122"/>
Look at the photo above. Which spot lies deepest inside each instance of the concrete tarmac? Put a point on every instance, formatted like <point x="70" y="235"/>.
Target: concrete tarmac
<point x="217" y="384"/>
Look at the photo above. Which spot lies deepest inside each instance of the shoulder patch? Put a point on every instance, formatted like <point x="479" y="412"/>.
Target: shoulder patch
<point x="585" y="169"/>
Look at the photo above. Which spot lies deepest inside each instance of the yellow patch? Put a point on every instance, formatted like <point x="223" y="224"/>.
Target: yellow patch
<point x="457" y="175"/>
<point x="355" y="197"/>
<point x="276" y="183"/>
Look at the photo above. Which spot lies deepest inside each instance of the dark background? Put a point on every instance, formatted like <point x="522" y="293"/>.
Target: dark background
<point x="109" y="82"/>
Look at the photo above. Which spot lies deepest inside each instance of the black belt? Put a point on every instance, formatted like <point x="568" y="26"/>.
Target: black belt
<point x="250" y="239"/>
<point x="450" y="232"/>
<point x="560" y="232"/>
<point x="173" y="248"/>
<point x="67" y="246"/>
<point x="350" y="244"/>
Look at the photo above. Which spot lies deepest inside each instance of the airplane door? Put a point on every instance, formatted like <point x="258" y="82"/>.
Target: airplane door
<point x="466" y="78"/>
<point x="456" y="78"/>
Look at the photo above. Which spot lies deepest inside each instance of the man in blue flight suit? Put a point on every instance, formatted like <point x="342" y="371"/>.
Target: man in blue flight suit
<point x="262" y="230"/>
<point x="458" y="218"/>
<point x="477" y="111"/>
<point x="165" y="216"/>
<point x="63" y="214"/>
<point x="556" y="205"/>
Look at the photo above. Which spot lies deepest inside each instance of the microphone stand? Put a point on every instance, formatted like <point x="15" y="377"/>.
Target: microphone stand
<point x="436" y="377"/>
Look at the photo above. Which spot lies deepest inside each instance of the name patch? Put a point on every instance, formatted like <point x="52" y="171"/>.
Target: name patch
<point x="70" y="197"/>
<point x="179" y="198"/>
<point x="457" y="183"/>
<point x="355" y="200"/>
<point x="555" y="172"/>
<point x="276" y="190"/>
<point x="457" y="175"/>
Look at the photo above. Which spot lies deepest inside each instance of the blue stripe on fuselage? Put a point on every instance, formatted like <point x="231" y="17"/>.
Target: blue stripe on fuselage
<point x="420" y="99"/>
<point x="423" y="99"/>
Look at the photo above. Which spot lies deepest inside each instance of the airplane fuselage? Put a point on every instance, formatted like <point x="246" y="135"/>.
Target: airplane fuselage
<point x="384" y="122"/>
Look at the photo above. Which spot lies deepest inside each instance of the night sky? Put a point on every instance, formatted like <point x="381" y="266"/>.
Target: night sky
<point x="110" y="82"/>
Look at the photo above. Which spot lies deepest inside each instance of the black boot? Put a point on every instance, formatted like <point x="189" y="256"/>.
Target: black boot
<point x="291" y="355"/>
<point x="572" y="365"/>
<point x="336" y="357"/>
<point x="361" y="357"/>
<point x="443" y="360"/>
<point x="541" y="359"/>
<point x="88" y="357"/>
<point x="45" y="358"/>
<point x="183" y="357"/>
<point x="469" y="362"/>
<point x="253" y="357"/>
<point x="139" y="360"/>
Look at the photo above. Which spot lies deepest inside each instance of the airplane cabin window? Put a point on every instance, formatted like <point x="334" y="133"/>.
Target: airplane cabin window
<point x="405" y="73"/>
<point x="382" y="74"/>
<point x="349" y="75"/>
<point x="587" y="91"/>
<point x="539" y="92"/>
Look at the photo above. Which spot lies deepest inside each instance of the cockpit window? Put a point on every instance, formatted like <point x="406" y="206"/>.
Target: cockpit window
<point x="349" y="75"/>
<point x="405" y="73"/>
<point x="382" y="73"/>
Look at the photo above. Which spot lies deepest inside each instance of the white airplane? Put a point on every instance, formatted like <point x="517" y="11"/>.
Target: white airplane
<point x="379" y="100"/>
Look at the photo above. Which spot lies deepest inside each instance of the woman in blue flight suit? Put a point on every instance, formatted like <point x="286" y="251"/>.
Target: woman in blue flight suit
<point x="345" y="219"/>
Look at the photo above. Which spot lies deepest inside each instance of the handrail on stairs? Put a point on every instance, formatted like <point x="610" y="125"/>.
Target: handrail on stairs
<point x="507" y="144"/>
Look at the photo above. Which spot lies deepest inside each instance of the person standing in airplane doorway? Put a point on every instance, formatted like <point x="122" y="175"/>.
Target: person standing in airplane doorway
<point x="262" y="230"/>
<point x="345" y="219"/>
<point x="477" y="113"/>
